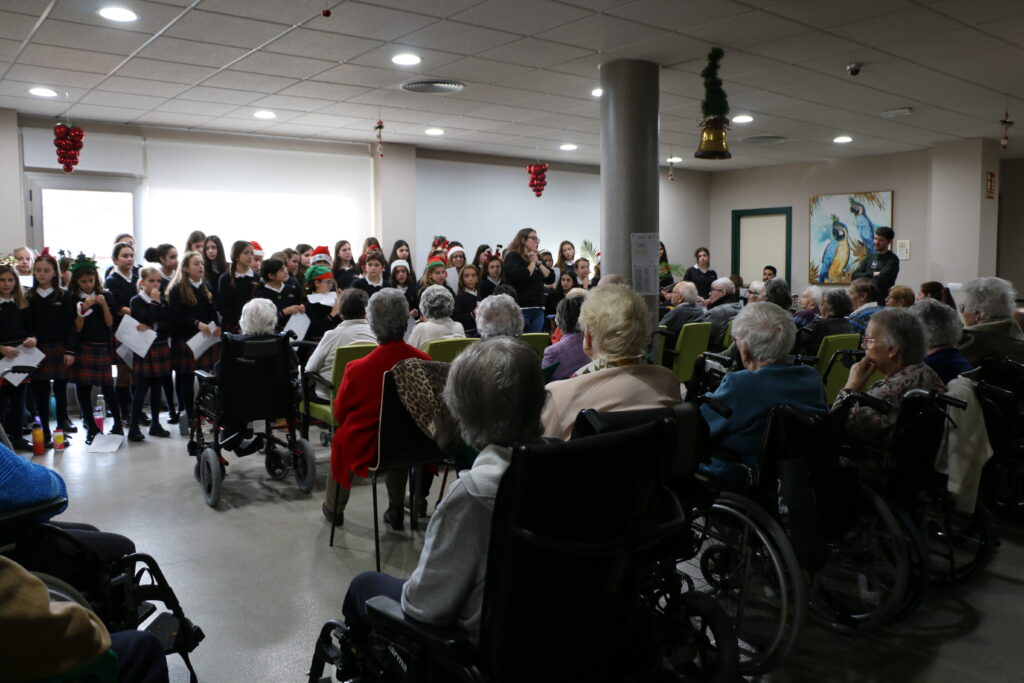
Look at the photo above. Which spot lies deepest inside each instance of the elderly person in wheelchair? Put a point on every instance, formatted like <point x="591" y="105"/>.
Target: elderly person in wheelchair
<point x="447" y="586"/>
<point x="764" y="334"/>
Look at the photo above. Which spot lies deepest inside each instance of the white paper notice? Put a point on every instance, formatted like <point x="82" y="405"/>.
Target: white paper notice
<point x="128" y="334"/>
<point x="298" y="323"/>
<point x="126" y="354"/>
<point x="30" y="357"/>
<point x="201" y="343"/>
<point x="644" y="249"/>
<point x="106" y="443"/>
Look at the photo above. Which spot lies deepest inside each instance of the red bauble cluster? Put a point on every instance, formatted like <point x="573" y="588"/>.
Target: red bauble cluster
<point x="68" y="141"/>
<point x="538" y="177"/>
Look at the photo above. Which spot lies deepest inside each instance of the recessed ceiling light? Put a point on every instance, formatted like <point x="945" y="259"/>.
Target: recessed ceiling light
<point x="42" y="92"/>
<point x="434" y="131"/>
<point x="842" y="139"/>
<point x="742" y="118"/>
<point x="597" y="92"/>
<point x="118" y="14"/>
<point x="406" y="59"/>
<point x="568" y="147"/>
<point x="674" y="160"/>
<point x="264" y="114"/>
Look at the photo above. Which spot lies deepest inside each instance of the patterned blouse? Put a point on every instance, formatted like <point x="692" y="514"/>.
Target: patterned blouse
<point x="866" y="424"/>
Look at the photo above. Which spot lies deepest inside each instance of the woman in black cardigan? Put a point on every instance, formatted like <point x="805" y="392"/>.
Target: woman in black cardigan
<point x="700" y="274"/>
<point x="525" y="272"/>
<point x="236" y="286"/>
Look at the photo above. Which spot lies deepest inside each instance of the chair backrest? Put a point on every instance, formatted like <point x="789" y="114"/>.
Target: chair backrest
<point x="692" y="341"/>
<point x="659" y="345"/>
<point x="684" y="459"/>
<point x="914" y="446"/>
<point x="727" y="338"/>
<point x="343" y="355"/>
<point x="838" y="373"/>
<point x="257" y="378"/>
<point x="446" y="350"/>
<point x="538" y="340"/>
<point x="400" y="442"/>
<point x="563" y="574"/>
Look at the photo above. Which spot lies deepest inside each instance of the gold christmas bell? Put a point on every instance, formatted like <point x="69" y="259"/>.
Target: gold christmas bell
<point x="714" y="142"/>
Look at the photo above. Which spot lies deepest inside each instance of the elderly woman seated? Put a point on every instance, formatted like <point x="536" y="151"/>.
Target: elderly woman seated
<point x="568" y="351"/>
<point x="353" y="329"/>
<point x="810" y="306"/>
<point x="835" y="306"/>
<point x="894" y="346"/>
<point x="991" y="328"/>
<point x="764" y="334"/>
<point x="447" y="586"/>
<point x="616" y="326"/>
<point x="357" y="409"/>
<point x="942" y="330"/>
<point x="899" y="296"/>
<point x="258" y="319"/>
<point x="499" y="316"/>
<point x="436" y="306"/>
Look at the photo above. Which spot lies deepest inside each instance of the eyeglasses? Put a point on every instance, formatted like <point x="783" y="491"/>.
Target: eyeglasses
<point x="868" y="342"/>
<point x="718" y="289"/>
<point x="534" y="237"/>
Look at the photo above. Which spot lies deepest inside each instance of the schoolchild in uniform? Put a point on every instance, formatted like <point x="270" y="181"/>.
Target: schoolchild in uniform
<point x="167" y="257"/>
<point x="373" y="279"/>
<point x="14" y="330"/>
<point x="122" y="284"/>
<point x="321" y="300"/>
<point x="192" y="310"/>
<point x="467" y="299"/>
<point x="236" y="287"/>
<point x="277" y="288"/>
<point x="149" y="308"/>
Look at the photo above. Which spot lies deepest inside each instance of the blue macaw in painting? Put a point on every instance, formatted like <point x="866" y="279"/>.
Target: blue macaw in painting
<point x="865" y="228"/>
<point x="836" y="255"/>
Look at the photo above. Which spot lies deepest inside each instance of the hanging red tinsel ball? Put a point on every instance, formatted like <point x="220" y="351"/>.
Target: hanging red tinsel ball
<point x="68" y="141"/>
<point x="538" y="177"/>
<point x="326" y="13"/>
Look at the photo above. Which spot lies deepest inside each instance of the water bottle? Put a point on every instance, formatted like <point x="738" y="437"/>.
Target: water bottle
<point x="38" y="447"/>
<point x="99" y="413"/>
<point x="58" y="439"/>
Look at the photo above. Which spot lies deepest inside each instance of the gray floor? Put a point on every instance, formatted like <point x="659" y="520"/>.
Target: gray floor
<point x="258" y="576"/>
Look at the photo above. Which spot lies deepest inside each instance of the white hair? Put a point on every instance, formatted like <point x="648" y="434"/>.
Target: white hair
<point x="942" y="326"/>
<point x="766" y="330"/>
<point x="992" y="297"/>
<point x="259" y="317"/>
<point x="814" y="293"/>
<point x="499" y="316"/>
<point x="388" y="312"/>
<point x="756" y="287"/>
<point x="437" y="302"/>
<point x="726" y="284"/>
<point x="687" y="290"/>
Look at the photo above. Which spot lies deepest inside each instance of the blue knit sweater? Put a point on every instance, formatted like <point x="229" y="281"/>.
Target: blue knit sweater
<point x="23" y="483"/>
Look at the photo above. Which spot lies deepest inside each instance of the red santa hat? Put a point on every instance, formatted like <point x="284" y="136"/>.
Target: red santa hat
<point x="257" y="250"/>
<point x="320" y="254"/>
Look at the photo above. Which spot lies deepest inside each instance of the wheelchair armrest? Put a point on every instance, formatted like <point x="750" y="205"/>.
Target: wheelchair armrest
<point x="13" y="518"/>
<point x="205" y="376"/>
<point x="387" y="615"/>
<point x="304" y="344"/>
<point x="317" y="379"/>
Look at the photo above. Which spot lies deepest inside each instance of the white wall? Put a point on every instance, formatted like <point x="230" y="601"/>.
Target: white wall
<point x="1011" y="223"/>
<point x="12" y="203"/>
<point x="684" y="213"/>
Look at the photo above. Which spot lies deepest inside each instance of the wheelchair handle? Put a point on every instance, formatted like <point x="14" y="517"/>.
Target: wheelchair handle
<point x="798" y="359"/>
<point x="715" y="405"/>
<point x="718" y="358"/>
<point x="792" y="411"/>
<point x="992" y="390"/>
<point x="850" y="356"/>
<point x="869" y="401"/>
<point x="19" y="370"/>
<point x="936" y="397"/>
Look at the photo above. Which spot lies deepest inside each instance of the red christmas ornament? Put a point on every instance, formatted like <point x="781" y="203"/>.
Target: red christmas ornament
<point x="538" y="177"/>
<point x="68" y="141"/>
<point x="326" y="13"/>
<point x="60" y="130"/>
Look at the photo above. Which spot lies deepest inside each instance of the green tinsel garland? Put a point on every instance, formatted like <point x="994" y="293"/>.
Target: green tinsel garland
<point x="715" y="102"/>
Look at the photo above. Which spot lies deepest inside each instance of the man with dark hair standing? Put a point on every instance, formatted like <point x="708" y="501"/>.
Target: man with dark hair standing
<point x="884" y="266"/>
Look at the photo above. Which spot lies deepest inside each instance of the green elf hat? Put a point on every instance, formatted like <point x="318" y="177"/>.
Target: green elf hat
<point x="318" y="272"/>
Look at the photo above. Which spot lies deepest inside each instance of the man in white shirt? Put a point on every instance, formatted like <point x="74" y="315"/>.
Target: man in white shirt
<point x="353" y="329"/>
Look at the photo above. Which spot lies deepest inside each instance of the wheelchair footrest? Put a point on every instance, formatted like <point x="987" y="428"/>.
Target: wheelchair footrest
<point x="145" y="610"/>
<point x="165" y="628"/>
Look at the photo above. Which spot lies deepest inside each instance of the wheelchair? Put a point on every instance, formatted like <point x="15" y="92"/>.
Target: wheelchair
<point x="256" y="381"/>
<point x="1000" y="391"/>
<point x="574" y="590"/>
<point x="122" y="592"/>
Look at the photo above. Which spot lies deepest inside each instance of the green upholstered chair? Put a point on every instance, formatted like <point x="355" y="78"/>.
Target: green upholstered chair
<point x="660" y="335"/>
<point x="538" y="340"/>
<point x="325" y="412"/>
<point x="838" y="374"/>
<point x="446" y="350"/>
<point x="690" y="344"/>
<point x="727" y="339"/>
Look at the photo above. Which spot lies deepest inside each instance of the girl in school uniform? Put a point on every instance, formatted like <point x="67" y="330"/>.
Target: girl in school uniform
<point x="467" y="299"/>
<point x="236" y="286"/>
<point x="373" y="279"/>
<point x="433" y="274"/>
<point x="192" y="310"/>
<point x="51" y="315"/>
<point x="214" y="262"/>
<point x="149" y="308"/>
<point x="323" y="305"/>
<point x="494" y="274"/>
<point x="277" y="288"/>
<point x="122" y="284"/>
<point x="344" y="268"/>
<point x="401" y="278"/>
<point x="167" y="257"/>
<point x="14" y="331"/>
<point x="90" y="341"/>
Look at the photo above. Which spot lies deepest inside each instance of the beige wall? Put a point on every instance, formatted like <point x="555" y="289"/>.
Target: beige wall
<point x="12" y="204"/>
<point x="792" y="185"/>
<point x="683" y="213"/>
<point x="1011" y="223"/>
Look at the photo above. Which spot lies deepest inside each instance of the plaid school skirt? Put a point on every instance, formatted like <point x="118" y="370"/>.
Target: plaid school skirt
<point x="92" y="365"/>
<point x="156" y="363"/>
<point x="51" y="367"/>
<point x="184" y="362"/>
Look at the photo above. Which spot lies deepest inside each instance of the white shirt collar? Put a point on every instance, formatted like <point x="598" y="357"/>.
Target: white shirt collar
<point x="378" y="283"/>
<point x="7" y="300"/>
<point x="145" y="297"/>
<point x="196" y="283"/>
<point x="250" y="273"/>
<point x="44" y="292"/>
<point x="277" y="290"/>
<point x="127" y="278"/>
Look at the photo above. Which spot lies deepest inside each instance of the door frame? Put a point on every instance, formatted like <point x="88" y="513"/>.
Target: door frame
<point x="738" y="214"/>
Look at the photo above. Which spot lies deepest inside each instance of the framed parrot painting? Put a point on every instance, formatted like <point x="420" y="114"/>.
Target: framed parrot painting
<point x="842" y="233"/>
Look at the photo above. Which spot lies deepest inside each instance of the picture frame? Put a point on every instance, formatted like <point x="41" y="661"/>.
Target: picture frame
<point x="841" y="233"/>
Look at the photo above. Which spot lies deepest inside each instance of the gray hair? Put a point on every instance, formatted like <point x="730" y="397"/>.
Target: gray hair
<point x="437" y="302"/>
<point x="838" y="303"/>
<point x="618" y="321"/>
<point x="259" y="317"/>
<point x="499" y="316"/>
<point x="992" y="297"/>
<point x="942" y="326"/>
<point x="726" y="284"/>
<point x="766" y="330"/>
<point x="687" y="290"/>
<point x="500" y="367"/>
<point x="388" y="312"/>
<point x="567" y="314"/>
<point x="755" y="288"/>
<point x="776" y="291"/>
<point x="903" y="330"/>
<point x="814" y="293"/>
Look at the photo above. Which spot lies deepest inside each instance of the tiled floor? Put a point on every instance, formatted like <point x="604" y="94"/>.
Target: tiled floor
<point x="258" y="576"/>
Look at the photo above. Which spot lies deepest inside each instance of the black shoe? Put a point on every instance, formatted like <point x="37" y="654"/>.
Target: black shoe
<point x="156" y="430"/>
<point x="135" y="434"/>
<point x="338" y="520"/>
<point x="144" y="420"/>
<point x="20" y="445"/>
<point x="172" y="418"/>
<point x="118" y="429"/>
<point x="395" y="518"/>
<point x="70" y="429"/>
<point x="90" y="436"/>
<point x="47" y="444"/>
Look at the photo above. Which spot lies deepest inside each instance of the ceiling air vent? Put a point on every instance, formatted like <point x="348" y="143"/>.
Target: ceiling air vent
<point x="764" y="139"/>
<point x="433" y="86"/>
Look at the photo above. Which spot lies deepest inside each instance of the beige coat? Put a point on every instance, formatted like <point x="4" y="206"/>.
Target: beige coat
<point x="630" y="387"/>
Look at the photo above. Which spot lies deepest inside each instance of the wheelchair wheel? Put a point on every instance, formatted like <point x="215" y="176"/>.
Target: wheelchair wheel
<point x="917" y="558"/>
<point x="304" y="465"/>
<point x="211" y="476"/>
<point x="745" y="563"/>
<point x="863" y="579"/>
<point x="276" y="464"/>
<point x="195" y="437"/>
<point x="325" y="438"/>
<point x="705" y="647"/>
<point x="960" y="546"/>
<point x="61" y="591"/>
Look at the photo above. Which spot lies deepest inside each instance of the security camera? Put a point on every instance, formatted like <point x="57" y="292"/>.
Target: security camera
<point x="853" y="68"/>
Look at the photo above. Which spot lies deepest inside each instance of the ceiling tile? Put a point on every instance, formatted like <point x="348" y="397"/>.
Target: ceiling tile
<point x="598" y="5"/>
<point x="978" y="11"/>
<point x="351" y="74"/>
<point x="240" y="80"/>
<point x="534" y="52"/>
<point x="480" y="70"/>
<point x="324" y="121"/>
<point x="370" y="21"/>
<point x="602" y="32"/>
<point x="8" y="48"/>
<point x="321" y="45"/>
<point x="41" y="75"/>
<point x="235" y="125"/>
<point x="417" y="102"/>
<point x="20" y="89"/>
<point x="290" y="13"/>
<point x="162" y="118"/>
<point x="948" y="44"/>
<point x="747" y="29"/>
<point x="143" y="87"/>
<point x="381" y="58"/>
<point x="523" y="16"/>
<point x="552" y="82"/>
<point x="160" y="70"/>
<point x="885" y="29"/>
<point x="326" y="91"/>
<point x="678" y="16"/>
<point x="36" y="105"/>
<point x="1010" y="29"/>
<point x="434" y="8"/>
<point x="235" y="31"/>
<point x="125" y="100"/>
<point x="191" y="52"/>
<point x="353" y="110"/>
<point x="294" y="103"/>
<point x="295" y="130"/>
<point x="246" y="114"/>
<point x="152" y="16"/>
<point x="456" y="37"/>
<point x="491" y="94"/>
<point x="99" y="113"/>
<point x="206" y="109"/>
<point x="824" y="14"/>
<point x="205" y="93"/>
<point x="79" y="36"/>
<point x="16" y="26"/>
<point x="282" y="65"/>
<point x="811" y="45"/>
<point x="508" y="113"/>
<point x="59" y="58"/>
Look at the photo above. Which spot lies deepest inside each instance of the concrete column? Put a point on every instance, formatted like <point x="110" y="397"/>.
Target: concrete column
<point x="394" y="189"/>
<point x="12" y="197"/>
<point x="629" y="161"/>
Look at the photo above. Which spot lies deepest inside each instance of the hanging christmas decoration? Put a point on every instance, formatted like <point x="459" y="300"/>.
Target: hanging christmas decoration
<point x="1005" y="142"/>
<point x="715" y="109"/>
<point x="326" y="12"/>
<point x="68" y="141"/>
<point x="538" y="177"/>
<point x="380" y="142"/>
<point x="671" y="175"/>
